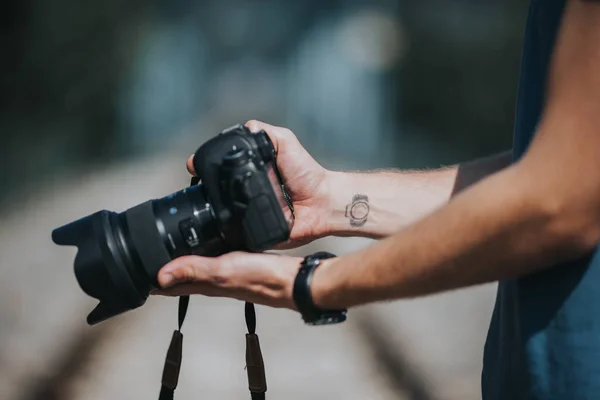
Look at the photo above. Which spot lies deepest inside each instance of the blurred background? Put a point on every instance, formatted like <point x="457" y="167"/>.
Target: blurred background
<point x="102" y="102"/>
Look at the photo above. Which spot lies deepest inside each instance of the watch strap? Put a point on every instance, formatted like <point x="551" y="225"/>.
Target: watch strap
<point x="311" y="314"/>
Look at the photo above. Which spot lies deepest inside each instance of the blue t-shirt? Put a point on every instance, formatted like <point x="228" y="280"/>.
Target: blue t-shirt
<point x="544" y="337"/>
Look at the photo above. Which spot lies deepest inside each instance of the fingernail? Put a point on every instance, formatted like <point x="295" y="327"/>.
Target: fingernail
<point x="166" y="280"/>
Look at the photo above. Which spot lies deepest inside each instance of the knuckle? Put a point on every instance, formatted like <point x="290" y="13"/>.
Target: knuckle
<point x="263" y="291"/>
<point x="287" y="132"/>
<point x="222" y="277"/>
<point x="219" y="272"/>
<point x="186" y="272"/>
<point x="288" y="136"/>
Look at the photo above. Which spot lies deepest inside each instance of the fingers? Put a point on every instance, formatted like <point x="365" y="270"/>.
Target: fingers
<point x="193" y="269"/>
<point x="261" y="278"/>
<point x="278" y="135"/>
<point x="190" y="165"/>
<point x="255" y="126"/>
<point x="184" y="289"/>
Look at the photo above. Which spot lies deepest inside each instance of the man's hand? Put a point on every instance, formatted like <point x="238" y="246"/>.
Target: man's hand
<point x="306" y="180"/>
<point x="322" y="198"/>
<point x="266" y="279"/>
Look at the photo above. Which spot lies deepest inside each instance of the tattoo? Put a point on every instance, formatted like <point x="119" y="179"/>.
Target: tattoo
<point x="358" y="210"/>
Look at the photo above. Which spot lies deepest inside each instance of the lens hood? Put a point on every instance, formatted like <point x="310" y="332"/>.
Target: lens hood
<point x="101" y="264"/>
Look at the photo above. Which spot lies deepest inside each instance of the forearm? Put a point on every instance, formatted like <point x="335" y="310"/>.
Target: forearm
<point x="503" y="227"/>
<point x="538" y="213"/>
<point x="399" y="198"/>
<point x="535" y="214"/>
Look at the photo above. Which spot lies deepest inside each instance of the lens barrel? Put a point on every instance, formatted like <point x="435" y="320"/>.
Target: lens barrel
<point x="119" y="255"/>
<point x="238" y="205"/>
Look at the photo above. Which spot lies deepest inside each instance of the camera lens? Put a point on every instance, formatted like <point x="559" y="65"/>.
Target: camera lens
<point x="240" y="204"/>
<point x="119" y="255"/>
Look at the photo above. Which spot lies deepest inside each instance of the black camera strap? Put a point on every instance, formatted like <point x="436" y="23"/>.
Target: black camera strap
<point x="172" y="366"/>
<point x="255" y="367"/>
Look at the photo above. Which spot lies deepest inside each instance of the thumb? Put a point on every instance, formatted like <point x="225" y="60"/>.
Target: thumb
<point x="255" y="126"/>
<point x="280" y="136"/>
<point x="186" y="269"/>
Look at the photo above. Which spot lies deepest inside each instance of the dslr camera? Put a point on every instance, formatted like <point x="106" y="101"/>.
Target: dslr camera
<point x="238" y="202"/>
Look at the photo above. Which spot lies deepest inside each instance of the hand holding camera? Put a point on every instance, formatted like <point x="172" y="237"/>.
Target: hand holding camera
<point x="241" y="203"/>
<point x="307" y="183"/>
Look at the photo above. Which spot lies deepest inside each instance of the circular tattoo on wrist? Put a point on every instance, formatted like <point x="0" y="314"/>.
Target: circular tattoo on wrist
<point x="358" y="210"/>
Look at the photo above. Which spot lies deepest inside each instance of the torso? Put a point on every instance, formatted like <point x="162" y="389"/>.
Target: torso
<point x="544" y="337"/>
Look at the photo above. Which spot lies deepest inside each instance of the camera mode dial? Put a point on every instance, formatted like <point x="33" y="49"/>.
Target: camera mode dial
<point x="236" y="157"/>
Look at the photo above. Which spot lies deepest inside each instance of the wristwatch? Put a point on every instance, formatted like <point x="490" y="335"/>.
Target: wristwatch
<point x="311" y="314"/>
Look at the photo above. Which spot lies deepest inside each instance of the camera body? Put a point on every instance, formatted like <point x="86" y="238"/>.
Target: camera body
<point x="238" y="202"/>
<point x="235" y="168"/>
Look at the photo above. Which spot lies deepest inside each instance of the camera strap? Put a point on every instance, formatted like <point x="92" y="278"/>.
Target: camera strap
<point x="172" y="366"/>
<point x="255" y="367"/>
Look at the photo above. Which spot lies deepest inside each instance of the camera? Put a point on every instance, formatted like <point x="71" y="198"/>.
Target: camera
<point x="238" y="202"/>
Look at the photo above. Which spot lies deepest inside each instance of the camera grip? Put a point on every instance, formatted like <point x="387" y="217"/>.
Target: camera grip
<point x="262" y="226"/>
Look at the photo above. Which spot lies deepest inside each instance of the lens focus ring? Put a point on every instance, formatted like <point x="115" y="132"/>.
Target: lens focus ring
<point x="146" y="239"/>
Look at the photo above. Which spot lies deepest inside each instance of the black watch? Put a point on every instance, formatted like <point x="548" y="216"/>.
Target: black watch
<point x="311" y="314"/>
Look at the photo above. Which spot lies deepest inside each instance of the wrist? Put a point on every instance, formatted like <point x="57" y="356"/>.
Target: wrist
<point x="311" y="312"/>
<point x="323" y="288"/>
<point x="288" y="277"/>
<point x="342" y="187"/>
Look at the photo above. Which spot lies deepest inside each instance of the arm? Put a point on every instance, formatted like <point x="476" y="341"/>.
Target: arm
<point x="395" y="198"/>
<point x="539" y="212"/>
<point x="399" y="198"/>
<point x="534" y="214"/>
